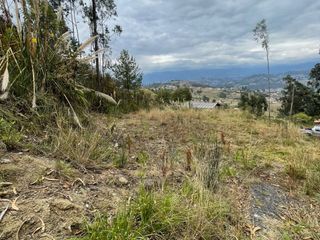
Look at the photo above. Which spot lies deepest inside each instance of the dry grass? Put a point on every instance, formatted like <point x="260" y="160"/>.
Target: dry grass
<point x="176" y="146"/>
<point x="249" y="144"/>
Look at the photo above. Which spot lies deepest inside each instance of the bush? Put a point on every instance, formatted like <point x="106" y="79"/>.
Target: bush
<point x="182" y="94"/>
<point x="312" y="184"/>
<point x="82" y="149"/>
<point x="296" y="171"/>
<point x="9" y="135"/>
<point x="255" y="102"/>
<point x="302" y="118"/>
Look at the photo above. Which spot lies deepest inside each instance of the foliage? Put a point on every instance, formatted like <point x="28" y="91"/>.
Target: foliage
<point x="127" y="73"/>
<point x="302" y="118"/>
<point x="255" y="102"/>
<point x="164" y="95"/>
<point x="298" y="98"/>
<point x="315" y="78"/>
<point x="8" y="134"/>
<point x="205" y="98"/>
<point x="168" y="215"/>
<point x="222" y="95"/>
<point x="82" y="149"/>
<point x="182" y="94"/>
<point x="41" y="62"/>
<point x="261" y="34"/>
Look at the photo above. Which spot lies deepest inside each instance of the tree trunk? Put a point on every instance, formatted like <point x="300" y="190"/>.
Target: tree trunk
<point x="292" y="99"/>
<point x="96" y="45"/>
<point x="269" y="84"/>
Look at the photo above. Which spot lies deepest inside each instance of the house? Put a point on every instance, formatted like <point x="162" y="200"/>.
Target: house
<point x="205" y="105"/>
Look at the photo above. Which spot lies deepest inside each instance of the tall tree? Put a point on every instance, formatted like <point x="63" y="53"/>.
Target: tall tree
<point x="261" y="34"/>
<point x="127" y="72"/>
<point x="98" y="12"/>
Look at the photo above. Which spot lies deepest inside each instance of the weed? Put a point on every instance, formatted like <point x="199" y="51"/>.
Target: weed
<point x="168" y="215"/>
<point x="143" y="158"/>
<point x="312" y="184"/>
<point x="296" y="171"/>
<point x="82" y="148"/>
<point x="65" y="169"/>
<point x="211" y="172"/>
<point x="188" y="159"/>
<point x="9" y="135"/>
<point x="246" y="157"/>
<point x="227" y="171"/>
<point x="121" y="159"/>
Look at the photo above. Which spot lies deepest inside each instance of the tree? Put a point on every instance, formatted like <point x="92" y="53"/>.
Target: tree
<point x="182" y="94"/>
<point x="127" y="73"/>
<point x="261" y="34"/>
<point x="164" y="95"/>
<point x="298" y="98"/>
<point x="98" y="12"/>
<point x="255" y="102"/>
<point x="205" y="98"/>
<point x="315" y="78"/>
<point x="222" y="95"/>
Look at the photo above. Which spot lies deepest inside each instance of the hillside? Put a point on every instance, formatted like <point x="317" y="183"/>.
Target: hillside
<point x="254" y="82"/>
<point x="165" y="174"/>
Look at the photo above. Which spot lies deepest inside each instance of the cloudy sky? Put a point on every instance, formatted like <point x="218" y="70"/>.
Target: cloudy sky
<point x="168" y="35"/>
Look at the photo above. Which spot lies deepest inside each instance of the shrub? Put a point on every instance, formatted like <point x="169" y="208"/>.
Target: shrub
<point x="296" y="171"/>
<point x="9" y="135"/>
<point x="302" y="118"/>
<point x="312" y="184"/>
<point x="82" y="149"/>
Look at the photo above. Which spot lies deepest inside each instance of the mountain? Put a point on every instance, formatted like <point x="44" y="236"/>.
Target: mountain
<point x="252" y="77"/>
<point x="255" y="82"/>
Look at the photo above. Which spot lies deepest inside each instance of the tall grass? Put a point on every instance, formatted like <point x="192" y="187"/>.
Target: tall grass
<point x="39" y="59"/>
<point x="169" y="215"/>
<point x="82" y="148"/>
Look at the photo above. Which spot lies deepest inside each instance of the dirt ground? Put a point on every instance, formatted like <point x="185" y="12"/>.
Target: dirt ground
<point x="48" y="206"/>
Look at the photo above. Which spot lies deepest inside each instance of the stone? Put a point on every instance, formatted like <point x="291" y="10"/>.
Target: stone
<point x="63" y="204"/>
<point x="5" y="161"/>
<point x="123" y="181"/>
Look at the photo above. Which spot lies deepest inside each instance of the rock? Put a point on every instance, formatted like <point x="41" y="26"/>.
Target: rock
<point x="5" y="161"/>
<point x="122" y="180"/>
<point x="63" y="204"/>
<point x="150" y="184"/>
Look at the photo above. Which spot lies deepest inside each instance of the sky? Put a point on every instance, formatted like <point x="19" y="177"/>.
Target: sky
<point x="169" y="35"/>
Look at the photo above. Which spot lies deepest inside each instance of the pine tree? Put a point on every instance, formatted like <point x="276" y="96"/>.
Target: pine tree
<point x="127" y="73"/>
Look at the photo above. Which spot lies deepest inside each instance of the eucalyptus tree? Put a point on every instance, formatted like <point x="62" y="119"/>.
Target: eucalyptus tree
<point x="99" y="12"/>
<point x="261" y="34"/>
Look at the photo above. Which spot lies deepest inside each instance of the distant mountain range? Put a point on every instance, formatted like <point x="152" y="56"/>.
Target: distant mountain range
<point x="250" y="77"/>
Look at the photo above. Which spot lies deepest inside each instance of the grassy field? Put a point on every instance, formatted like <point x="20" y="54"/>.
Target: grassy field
<point x="172" y="174"/>
<point x="183" y="206"/>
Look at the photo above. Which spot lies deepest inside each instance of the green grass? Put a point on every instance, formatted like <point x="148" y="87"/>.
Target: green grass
<point x="172" y="214"/>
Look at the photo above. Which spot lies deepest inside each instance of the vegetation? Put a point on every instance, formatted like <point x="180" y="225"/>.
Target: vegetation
<point x="298" y="98"/>
<point x="181" y="94"/>
<point x="261" y="33"/>
<point x="255" y="102"/>
<point x="154" y="171"/>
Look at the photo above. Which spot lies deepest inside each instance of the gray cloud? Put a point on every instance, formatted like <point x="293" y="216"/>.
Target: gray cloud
<point x="187" y="34"/>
